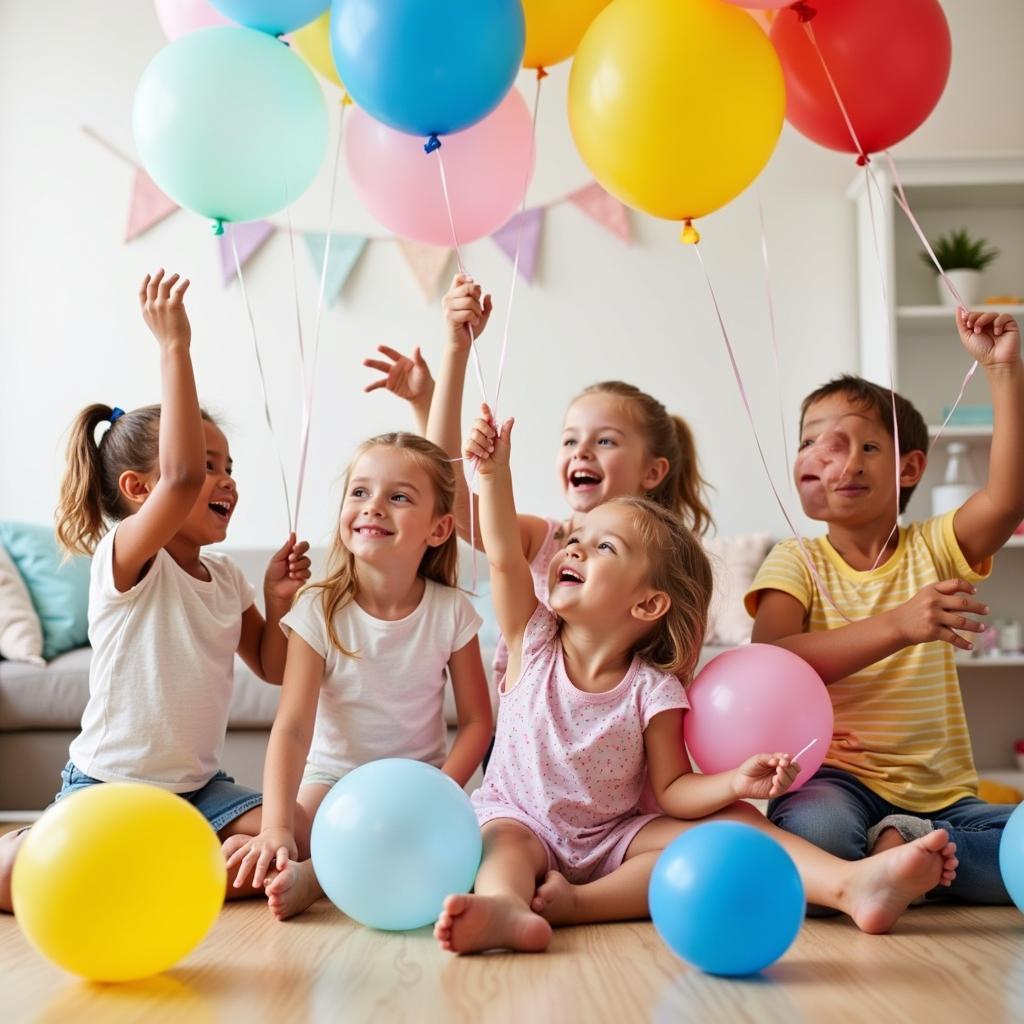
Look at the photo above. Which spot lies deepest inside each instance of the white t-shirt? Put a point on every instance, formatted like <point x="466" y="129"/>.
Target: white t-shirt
<point x="388" y="700"/>
<point x="162" y="671"/>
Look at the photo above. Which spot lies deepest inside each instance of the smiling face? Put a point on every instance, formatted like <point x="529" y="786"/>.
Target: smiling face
<point x="389" y="515"/>
<point x="845" y="469"/>
<point x="208" y="521"/>
<point x="603" y="454"/>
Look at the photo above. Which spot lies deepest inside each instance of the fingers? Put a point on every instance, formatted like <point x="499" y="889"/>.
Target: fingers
<point x="947" y="635"/>
<point x="956" y="586"/>
<point x="417" y="358"/>
<point x="259" y="876"/>
<point x="378" y="364"/>
<point x="284" y="548"/>
<point x="178" y="295"/>
<point x="375" y="385"/>
<point x="479" y="443"/>
<point x="166" y="285"/>
<point x="281" y="859"/>
<point x="237" y="857"/>
<point x="392" y="353"/>
<point x="144" y="289"/>
<point x="153" y="288"/>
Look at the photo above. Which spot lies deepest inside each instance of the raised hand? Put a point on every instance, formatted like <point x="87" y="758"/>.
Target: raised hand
<point x="464" y="310"/>
<point x="404" y="376"/>
<point x="287" y="570"/>
<point x="991" y="338"/>
<point x="162" y="300"/>
<point x="484" y="443"/>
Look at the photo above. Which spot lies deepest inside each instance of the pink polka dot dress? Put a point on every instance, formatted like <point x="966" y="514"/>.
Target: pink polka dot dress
<point x="571" y="765"/>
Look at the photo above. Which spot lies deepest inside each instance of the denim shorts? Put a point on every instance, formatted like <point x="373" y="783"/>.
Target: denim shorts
<point x="220" y="801"/>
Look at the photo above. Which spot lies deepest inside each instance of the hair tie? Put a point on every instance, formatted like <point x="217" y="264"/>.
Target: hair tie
<point x="115" y="415"/>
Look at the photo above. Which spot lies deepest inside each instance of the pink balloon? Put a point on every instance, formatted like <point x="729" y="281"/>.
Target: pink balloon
<point x="487" y="166"/>
<point x="757" y="699"/>
<point x="179" y="17"/>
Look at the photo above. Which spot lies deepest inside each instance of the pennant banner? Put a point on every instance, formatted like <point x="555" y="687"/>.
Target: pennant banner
<point x="522" y="230"/>
<point x="249" y="238"/>
<point x="345" y="253"/>
<point x="149" y="205"/>
<point x="427" y="263"/>
<point x="604" y="208"/>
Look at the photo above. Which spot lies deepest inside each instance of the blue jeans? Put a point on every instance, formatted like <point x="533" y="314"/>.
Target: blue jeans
<point x="834" y="810"/>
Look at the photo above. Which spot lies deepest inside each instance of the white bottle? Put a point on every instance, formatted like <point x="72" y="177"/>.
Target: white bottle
<point x="958" y="482"/>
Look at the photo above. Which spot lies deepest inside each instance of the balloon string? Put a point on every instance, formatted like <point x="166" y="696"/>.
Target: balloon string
<point x="757" y="440"/>
<point x="263" y="379"/>
<point x="309" y="371"/>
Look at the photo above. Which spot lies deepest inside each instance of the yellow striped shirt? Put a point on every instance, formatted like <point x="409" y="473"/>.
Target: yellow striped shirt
<point x="899" y="724"/>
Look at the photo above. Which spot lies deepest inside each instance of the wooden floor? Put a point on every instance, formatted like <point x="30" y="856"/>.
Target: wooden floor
<point x="963" y="965"/>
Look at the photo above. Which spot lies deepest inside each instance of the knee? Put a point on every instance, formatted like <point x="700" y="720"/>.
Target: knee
<point x="825" y="827"/>
<point x="505" y="834"/>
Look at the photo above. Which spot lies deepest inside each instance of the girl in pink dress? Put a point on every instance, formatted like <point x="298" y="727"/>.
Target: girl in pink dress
<point x="591" y="705"/>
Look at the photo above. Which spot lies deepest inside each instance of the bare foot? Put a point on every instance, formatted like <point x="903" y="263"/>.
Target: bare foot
<point x="888" y="840"/>
<point x="293" y="889"/>
<point x="470" y="924"/>
<point x="555" y="899"/>
<point x="885" y="885"/>
<point x="9" y="844"/>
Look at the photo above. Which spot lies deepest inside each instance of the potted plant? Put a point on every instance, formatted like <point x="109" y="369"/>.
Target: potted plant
<point x="963" y="259"/>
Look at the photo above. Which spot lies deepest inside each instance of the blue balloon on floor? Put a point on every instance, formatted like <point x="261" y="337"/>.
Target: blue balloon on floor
<point x="726" y="898"/>
<point x="1011" y="856"/>
<point x="391" y="840"/>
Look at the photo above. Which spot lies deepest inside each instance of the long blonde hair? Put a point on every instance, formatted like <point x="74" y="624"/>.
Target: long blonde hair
<point x="669" y="437"/>
<point x="679" y="567"/>
<point x="90" y="493"/>
<point x="440" y="563"/>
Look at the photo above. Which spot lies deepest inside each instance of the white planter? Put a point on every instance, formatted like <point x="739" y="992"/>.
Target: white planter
<point x="966" y="282"/>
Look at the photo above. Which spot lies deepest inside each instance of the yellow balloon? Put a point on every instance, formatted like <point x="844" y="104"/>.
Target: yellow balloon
<point x="313" y="43"/>
<point x="118" y="881"/>
<point x="675" y="105"/>
<point x="554" y="28"/>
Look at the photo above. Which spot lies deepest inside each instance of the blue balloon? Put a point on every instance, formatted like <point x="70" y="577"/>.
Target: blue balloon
<point x="230" y="123"/>
<point x="273" y="16"/>
<point x="391" y="840"/>
<point x="726" y="898"/>
<point x="1011" y="856"/>
<point x="427" y="67"/>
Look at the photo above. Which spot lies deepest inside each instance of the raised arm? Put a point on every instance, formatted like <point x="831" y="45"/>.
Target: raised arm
<point x="406" y="377"/>
<point x="164" y="502"/>
<point x="511" y="580"/>
<point x="988" y="518"/>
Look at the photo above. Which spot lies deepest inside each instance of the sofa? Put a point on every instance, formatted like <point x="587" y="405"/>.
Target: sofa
<point x="41" y="705"/>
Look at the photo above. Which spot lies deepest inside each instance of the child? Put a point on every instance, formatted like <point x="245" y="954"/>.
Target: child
<point x="591" y="705"/>
<point x="165" y="618"/>
<point x="368" y="651"/>
<point x="900" y="761"/>
<point x="617" y="441"/>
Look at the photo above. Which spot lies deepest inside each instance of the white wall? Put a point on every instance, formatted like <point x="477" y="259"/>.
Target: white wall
<point x="70" y="331"/>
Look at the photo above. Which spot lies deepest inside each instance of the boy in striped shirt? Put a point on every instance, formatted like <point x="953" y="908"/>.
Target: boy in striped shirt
<point x="900" y="762"/>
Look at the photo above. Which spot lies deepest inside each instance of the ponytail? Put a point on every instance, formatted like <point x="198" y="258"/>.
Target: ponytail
<point x="687" y="497"/>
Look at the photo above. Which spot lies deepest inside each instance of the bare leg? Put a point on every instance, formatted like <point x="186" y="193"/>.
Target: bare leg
<point x="9" y="844"/>
<point x="497" y="914"/>
<point x="874" y="892"/>
<point x="295" y="888"/>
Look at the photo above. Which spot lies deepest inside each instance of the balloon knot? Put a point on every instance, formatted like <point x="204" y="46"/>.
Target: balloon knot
<point x="346" y="99"/>
<point x="283" y="39"/>
<point x="217" y="227"/>
<point x="863" y="159"/>
<point x="541" y="73"/>
<point x="803" y="10"/>
<point x="431" y="144"/>
<point x="690" y="235"/>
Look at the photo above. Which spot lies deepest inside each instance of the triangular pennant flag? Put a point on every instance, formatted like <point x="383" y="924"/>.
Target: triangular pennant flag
<point x="427" y="263"/>
<point x="345" y="253"/>
<point x="249" y="237"/>
<point x="529" y="223"/>
<point x="149" y="205"/>
<point x="604" y="208"/>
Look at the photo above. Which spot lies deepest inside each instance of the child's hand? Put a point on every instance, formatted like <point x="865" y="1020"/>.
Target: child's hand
<point x="163" y="307"/>
<point x="991" y="338"/>
<point x="765" y="776"/>
<point x="404" y="377"/>
<point x="937" y="611"/>
<point x="485" y="444"/>
<point x="463" y="310"/>
<point x="271" y="849"/>
<point x="287" y="571"/>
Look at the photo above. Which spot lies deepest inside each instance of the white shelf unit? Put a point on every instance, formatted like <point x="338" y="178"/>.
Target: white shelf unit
<point x="905" y="330"/>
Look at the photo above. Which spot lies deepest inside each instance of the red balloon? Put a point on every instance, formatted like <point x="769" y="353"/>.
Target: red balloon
<point x="889" y="60"/>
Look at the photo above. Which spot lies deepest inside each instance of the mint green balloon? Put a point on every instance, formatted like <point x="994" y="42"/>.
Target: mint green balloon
<point x="230" y="123"/>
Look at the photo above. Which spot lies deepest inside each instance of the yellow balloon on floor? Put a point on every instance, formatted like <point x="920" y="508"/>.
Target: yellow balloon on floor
<point x="675" y="105"/>
<point x="313" y="43"/>
<point x="554" y="29"/>
<point x="118" y="881"/>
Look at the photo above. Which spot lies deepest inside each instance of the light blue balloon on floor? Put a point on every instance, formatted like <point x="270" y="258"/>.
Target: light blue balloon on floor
<point x="391" y="840"/>
<point x="726" y="898"/>
<point x="231" y="123"/>
<point x="427" y="66"/>
<point x="1011" y="856"/>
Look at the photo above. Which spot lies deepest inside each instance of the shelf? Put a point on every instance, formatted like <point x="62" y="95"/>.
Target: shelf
<point x="1010" y="661"/>
<point x="1016" y="541"/>
<point x="966" y="432"/>
<point x="944" y="314"/>
<point x="1005" y="776"/>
